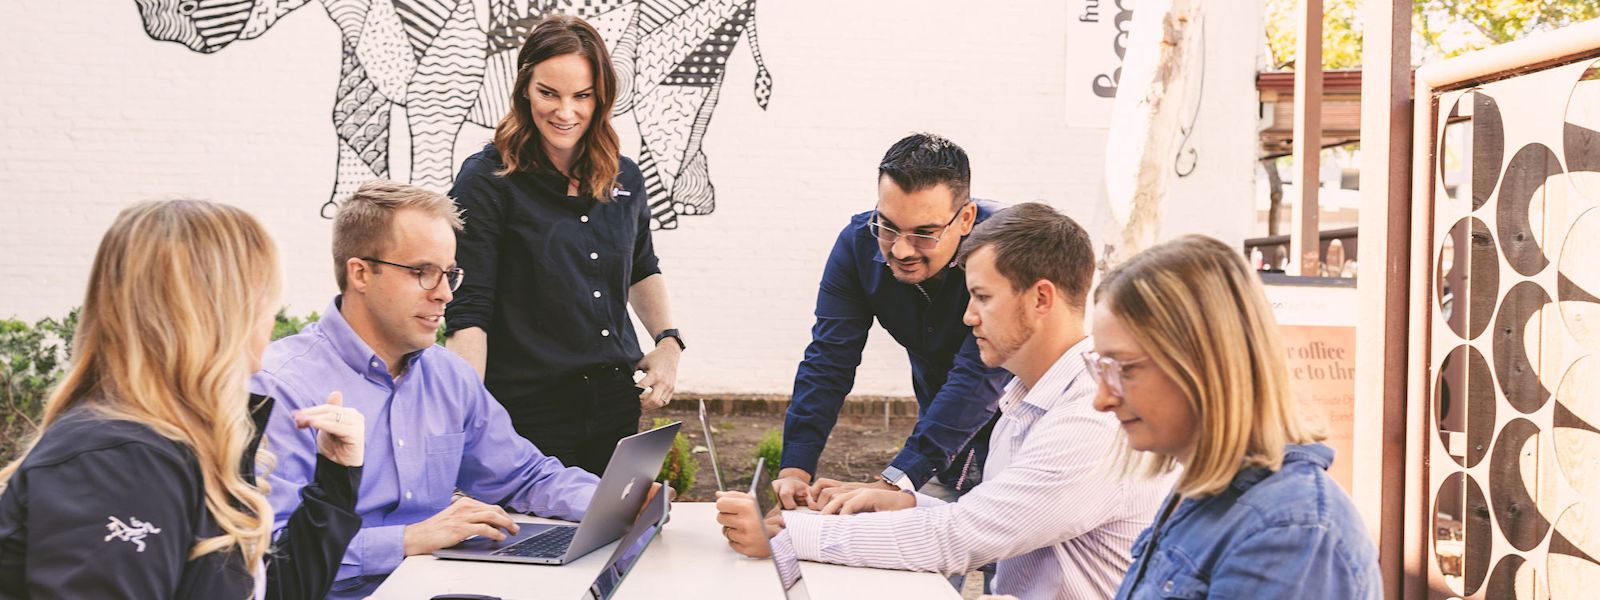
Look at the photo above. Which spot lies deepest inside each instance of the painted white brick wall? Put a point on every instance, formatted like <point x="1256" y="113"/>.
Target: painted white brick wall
<point x="96" y="115"/>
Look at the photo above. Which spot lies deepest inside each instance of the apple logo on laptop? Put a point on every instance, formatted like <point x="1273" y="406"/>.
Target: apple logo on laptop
<point x="628" y="488"/>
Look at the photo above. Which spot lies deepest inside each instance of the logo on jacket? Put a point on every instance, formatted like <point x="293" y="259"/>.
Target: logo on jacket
<point x="130" y="533"/>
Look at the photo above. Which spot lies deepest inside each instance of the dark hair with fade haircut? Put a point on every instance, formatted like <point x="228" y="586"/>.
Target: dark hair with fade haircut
<point x="1033" y="241"/>
<point x="922" y="160"/>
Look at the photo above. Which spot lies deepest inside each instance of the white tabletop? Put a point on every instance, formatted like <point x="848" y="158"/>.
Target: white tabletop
<point x="690" y="559"/>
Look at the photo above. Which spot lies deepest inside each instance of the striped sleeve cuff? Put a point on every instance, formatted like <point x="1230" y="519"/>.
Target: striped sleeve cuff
<point x="802" y="534"/>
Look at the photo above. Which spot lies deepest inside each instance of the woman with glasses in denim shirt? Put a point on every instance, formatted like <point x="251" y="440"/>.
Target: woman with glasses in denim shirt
<point x="1189" y="360"/>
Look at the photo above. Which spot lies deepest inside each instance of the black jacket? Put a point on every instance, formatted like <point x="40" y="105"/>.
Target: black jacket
<point x="105" y="508"/>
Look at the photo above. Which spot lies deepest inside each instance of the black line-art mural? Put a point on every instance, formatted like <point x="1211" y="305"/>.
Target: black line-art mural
<point x="449" y="62"/>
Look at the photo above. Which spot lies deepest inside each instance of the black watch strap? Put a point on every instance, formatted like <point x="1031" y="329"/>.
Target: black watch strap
<point x="671" y="333"/>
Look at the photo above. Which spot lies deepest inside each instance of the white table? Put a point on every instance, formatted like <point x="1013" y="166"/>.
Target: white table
<point x="690" y="559"/>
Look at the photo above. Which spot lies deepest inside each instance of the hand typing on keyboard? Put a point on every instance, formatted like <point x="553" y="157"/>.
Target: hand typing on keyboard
<point x="463" y="519"/>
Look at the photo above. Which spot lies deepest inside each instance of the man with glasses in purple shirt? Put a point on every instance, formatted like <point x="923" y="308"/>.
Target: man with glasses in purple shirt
<point x="432" y="428"/>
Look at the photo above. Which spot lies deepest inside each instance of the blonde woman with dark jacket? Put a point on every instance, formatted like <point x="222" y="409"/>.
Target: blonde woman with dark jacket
<point x="142" y="480"/>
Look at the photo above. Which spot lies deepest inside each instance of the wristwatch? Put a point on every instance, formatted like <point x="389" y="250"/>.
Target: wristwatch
<point x="896" y="478"/>
<point x="671" y="333"/>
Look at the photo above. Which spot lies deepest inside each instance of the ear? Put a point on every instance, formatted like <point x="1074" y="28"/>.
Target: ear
<point x="1042" y="296"/>
<point x="968" y="218"/>
<point x="357" y="274"/>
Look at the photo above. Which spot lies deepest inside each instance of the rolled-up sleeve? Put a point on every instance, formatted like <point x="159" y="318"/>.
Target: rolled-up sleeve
<point x="478" y="193"/>
<point x="828" y="371"/>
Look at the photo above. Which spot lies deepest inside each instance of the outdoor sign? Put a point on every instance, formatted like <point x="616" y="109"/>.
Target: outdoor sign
<point x="1317" y="322"/>
<point x="1097" y="39"/>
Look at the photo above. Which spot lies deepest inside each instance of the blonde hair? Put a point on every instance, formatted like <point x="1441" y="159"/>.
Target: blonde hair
<point x="1199" y="311"/>
<point x="364" y="223"/>
<point x="163" y="340"/>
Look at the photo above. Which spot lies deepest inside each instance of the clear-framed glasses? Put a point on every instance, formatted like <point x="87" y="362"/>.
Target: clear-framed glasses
<point x="1109" y="371"/>
<point x="428" y="276"/>
<point x="921" y="241"/>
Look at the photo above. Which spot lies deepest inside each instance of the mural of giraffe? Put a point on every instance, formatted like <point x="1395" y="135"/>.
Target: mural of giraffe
<point x="450" y="62"/>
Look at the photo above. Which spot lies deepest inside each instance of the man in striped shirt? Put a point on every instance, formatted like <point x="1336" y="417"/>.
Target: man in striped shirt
<point x="1055" y="510"/>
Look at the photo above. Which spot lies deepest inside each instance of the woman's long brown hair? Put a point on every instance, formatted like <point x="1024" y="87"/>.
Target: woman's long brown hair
<point x="517" y="138"/>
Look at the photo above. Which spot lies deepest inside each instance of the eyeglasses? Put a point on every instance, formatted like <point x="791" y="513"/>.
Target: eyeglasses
<point x="921" y="241"/>
<point x="1109" y="371"/>
<point x="428" y="276"/>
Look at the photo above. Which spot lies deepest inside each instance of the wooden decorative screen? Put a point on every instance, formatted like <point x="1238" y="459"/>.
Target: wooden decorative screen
<point x="1512" y="336"/>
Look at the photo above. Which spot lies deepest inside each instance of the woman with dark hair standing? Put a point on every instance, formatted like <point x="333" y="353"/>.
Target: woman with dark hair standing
<point x="557" y="224"/>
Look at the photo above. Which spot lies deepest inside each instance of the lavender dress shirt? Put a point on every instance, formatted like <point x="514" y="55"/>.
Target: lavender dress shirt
<point x="430" y="432"/>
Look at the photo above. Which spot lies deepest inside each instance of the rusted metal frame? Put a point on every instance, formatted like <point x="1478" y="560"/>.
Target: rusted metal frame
<point x="1382" y="431"/>
<point x="1305" y="236"/>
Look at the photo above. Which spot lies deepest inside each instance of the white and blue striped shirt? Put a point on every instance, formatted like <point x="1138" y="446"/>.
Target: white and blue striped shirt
<point x="1052" y="509"/>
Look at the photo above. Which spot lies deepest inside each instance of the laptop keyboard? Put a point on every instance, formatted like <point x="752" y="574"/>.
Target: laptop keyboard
<point x="550" y="544"/>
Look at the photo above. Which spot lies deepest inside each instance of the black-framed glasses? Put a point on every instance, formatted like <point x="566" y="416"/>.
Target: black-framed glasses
<point x="921" y="241"/>
<point x="1109" y="371"/>
<point x="428" y="276"/>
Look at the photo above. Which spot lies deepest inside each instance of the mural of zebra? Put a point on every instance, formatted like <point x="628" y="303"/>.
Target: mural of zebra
<point x="450" y="62"/>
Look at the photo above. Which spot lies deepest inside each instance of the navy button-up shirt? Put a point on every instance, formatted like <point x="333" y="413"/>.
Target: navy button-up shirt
<point x="956" y="393"/>
<point x="548" y="274"/>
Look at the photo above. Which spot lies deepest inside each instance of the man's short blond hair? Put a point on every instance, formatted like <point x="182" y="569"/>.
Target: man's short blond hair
<point x="364" y="224"/>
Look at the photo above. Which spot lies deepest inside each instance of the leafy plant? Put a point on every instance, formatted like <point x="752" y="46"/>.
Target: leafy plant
<point x="771" y="448"/>
<point x="32" y="359"/>
<point x="679" y="467"/>
<point x="285" y="325"/>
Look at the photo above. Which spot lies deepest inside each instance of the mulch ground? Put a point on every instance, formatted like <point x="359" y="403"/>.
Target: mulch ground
<point x="859" y="448"/>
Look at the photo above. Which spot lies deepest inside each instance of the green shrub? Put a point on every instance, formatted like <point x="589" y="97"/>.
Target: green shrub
<point x="285" y="325"/>
<point x="32" y="359"/>
<point x="679" y="467"/>
<point x="771" y="448"/>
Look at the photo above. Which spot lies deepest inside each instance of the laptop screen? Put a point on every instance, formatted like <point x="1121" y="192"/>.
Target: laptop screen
<point x="788" y="565"/>
<point x="644" y="530"/>
<point x="711" y="446"/>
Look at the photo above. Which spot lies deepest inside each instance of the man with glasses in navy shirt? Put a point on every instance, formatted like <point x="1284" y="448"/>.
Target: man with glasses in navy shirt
<point x="893" y="264"/>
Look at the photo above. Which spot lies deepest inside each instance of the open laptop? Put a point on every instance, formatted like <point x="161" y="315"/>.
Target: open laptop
<point x="711" y="446"/>
<point x="650" y="522"/>
<point x="617" y="499"/>
<point x="788" y="566"/>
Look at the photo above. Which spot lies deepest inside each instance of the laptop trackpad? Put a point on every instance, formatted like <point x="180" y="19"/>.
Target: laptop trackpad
<point x="483" y="544"/>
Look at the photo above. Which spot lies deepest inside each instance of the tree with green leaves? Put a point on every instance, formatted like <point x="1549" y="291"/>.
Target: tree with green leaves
<point x="1441" y="28"/>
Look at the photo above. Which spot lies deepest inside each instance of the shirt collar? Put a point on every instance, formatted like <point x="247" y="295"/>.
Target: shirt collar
<point x="351" y="349"/>
<point x="1051" y="388"/>
<point x="1320" y="455"/>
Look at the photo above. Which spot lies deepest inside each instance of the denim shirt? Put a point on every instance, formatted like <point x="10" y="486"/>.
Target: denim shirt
<point x="1287" y="534"/>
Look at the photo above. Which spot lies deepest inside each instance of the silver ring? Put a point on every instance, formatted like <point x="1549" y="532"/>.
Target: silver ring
<point x="338" y="417"/>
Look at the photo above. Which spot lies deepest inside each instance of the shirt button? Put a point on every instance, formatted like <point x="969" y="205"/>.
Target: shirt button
<point x="1166" y="588"/>
<point x="408" y="494"/>
<point x="605" y="333"/>
<point x="584" y="219"/>
<point x="594" y="255"/>
<point x="374" y="364"/>
<point x="597" y="293"/>
<point x="400" y="442"/>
